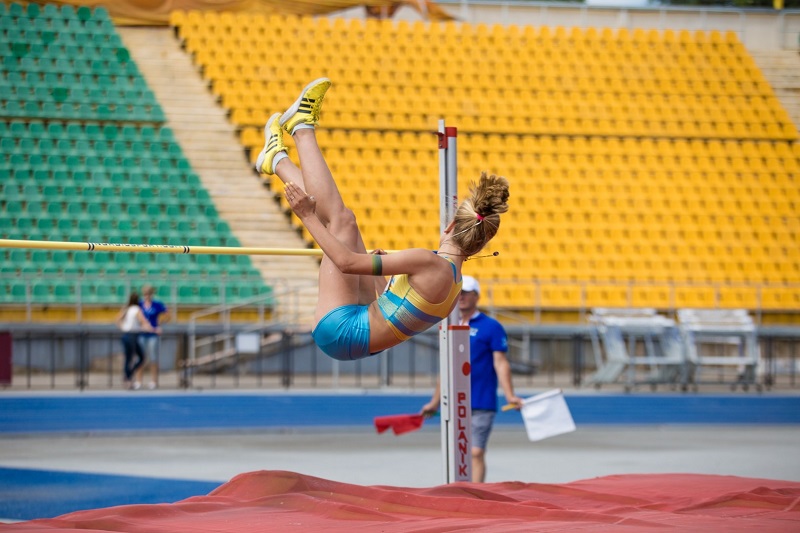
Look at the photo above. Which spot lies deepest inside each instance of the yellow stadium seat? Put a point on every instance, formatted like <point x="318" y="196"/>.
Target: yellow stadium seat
<point x="512" y="295"/>
<point x="560" y="296"/>
<point x="654" y="296"/>
<point x="695" y="297"/>
<point x="606" y="296"/>
<point x="780" y="297"/>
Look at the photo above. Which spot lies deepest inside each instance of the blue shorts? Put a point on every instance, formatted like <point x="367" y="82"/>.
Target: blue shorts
<point x="482" y="422"/>
<point x="344" y="333"/>
<point x="149" y="346"/>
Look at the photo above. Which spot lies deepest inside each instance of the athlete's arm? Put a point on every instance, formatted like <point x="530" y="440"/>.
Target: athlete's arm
<point x="346" y="260"/>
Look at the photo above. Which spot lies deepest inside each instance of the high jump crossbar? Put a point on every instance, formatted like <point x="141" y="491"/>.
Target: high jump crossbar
<point x="156" y="248"/>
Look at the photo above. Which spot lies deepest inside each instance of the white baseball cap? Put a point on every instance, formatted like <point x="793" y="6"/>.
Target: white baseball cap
<point x="470" y="284"/>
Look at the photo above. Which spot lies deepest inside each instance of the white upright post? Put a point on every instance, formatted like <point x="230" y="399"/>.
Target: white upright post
<point x="454" y="361"/>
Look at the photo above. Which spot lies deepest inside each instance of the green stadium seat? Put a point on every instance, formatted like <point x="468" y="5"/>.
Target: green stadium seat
<point x="45" y="226"/>
<point x="86" y="229"/>
<point x="6" y="288"/>
<point x="245" y="290"/>
<point x="208" y="294"/>
<point x="67" y="12"/>
<point x="18" y="256"/>
<point x="7" y="227"/>
<point x="17" y="128"/>
<point x="10" y="190"/>
<point x="102" y="112"/>
<point x="36" y="128"/>
<point x="105" y="292"/>
<point x="187" y="294"/>
<point x="52" y="195"/>
<point x="163" y="291"/>
<point x="55" y="130"/>
<point x="19" y="292"/>
<point x="8" y="145"/>
<point x="110" y="132"/>
<point x="14" y="209"/>
<point x="86" y="292"/>
<point x="133" y="270"/>
<point x="135" y="211"/>
<point x="35" y="209"/>
<point x="16" y="10"/>
<point x="42" y="293"/>
<point x="50" y="11"/>
<point x="40" y="257"/>
<point x="95" y="210"/>
<point x="64" y="292"/>
<point x="45" y="146"/>
<point x="59" y="256"/>
<point x="125" y="226"/>
<point x="93" y="131"/>
<point x="27" y="146"/>
<point x="84" y="13"/>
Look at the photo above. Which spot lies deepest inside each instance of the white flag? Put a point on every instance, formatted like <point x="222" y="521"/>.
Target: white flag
<point x="546" y="415"/>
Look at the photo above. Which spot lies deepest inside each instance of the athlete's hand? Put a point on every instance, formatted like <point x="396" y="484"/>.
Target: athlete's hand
<point x="378" y="251"/>
<point x="302" y="204"/>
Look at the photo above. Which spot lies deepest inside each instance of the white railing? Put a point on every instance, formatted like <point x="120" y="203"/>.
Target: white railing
<point x="757" y="28"/>
<point x="674" y="301"/>
<point x="285" y="313"/>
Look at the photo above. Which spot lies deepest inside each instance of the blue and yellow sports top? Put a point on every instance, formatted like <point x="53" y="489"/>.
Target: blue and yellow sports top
<point x="407" y="313"/>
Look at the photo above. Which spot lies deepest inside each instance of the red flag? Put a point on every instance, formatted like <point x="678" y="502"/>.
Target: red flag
<point x="399" y="423"/>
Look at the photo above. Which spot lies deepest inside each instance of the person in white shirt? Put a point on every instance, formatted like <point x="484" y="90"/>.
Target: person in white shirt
<point x="131" y="321"/>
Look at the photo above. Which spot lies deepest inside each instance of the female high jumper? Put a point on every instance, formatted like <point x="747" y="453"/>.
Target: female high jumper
<point x="358" y="314"/>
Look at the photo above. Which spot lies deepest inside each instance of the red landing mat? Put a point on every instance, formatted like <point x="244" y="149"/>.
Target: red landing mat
<point x="286" y="501"/>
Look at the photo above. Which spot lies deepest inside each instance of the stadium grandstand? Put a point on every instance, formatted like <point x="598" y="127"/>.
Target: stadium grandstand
<point x="651" y="167"/>
<point x="88" y="156"/>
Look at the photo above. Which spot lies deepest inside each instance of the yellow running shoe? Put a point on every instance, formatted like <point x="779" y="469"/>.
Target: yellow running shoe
<point x="305" y="109"/>
<point x="273" y="143"/>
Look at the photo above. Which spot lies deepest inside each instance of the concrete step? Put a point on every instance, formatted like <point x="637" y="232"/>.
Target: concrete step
<point x="781" y="78"/>
<point x="308" y="270"/>
<point x="267" y="239"/>
<point x="220" y="142"/>
<point x="255" y="222"/>
<point x="781" y="68"/>
<point x="200" y="108"/>
<point x="208" y="135"/>
<point x="222" y="153"/>
<point x="233" y="195"/>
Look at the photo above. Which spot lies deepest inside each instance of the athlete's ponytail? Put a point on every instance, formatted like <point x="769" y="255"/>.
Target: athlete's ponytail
<point x="478" y="217"/>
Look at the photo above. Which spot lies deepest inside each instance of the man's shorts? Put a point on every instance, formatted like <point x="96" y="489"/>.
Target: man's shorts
<point x="149" y="346"/>
<point x="344" y="333"/>
<point x="482" y="421"/>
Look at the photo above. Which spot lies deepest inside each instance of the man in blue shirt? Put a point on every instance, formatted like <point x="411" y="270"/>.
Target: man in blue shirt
<point x="153" y="311"/>
<point x="490" y="367"/>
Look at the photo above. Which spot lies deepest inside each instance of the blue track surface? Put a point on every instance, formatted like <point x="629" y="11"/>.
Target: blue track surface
<point x="28" y="494"/>
<point x="181" y="412"/>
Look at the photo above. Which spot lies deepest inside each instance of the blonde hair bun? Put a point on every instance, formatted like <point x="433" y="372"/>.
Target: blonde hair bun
<point x="478" y="217"/>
